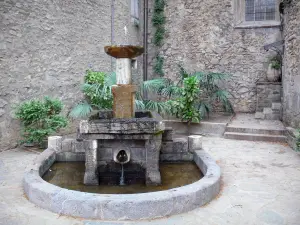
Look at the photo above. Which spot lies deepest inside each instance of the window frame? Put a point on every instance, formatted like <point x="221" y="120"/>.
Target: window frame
<point x="135" y="12"/>
<point x="134" y="9"/>
<point x="240" y="17"/>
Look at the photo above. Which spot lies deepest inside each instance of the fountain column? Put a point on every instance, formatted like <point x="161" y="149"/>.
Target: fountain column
<point x="123" y="91"/>
<point x="123" y="71"/>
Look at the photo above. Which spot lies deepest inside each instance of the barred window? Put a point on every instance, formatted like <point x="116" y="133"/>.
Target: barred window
<point x="135" y="9"/>
<point x="260" y="10"/>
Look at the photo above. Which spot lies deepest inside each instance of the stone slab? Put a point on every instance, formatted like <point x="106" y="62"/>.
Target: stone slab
<point x="122" y="126"/>
<point x="255" y="137"/>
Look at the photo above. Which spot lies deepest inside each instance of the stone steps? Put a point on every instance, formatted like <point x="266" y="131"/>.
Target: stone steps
<point x="249" y="130"/>
<point x="255" y="137"/>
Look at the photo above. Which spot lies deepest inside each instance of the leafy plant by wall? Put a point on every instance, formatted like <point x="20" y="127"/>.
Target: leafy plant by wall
<point x="298" y="140"/>
<point x="172" y="92"/>
<point x="158" y="22"/>
<point x="40" y="119"/>
<point x="185" y="105"/>
<point x="158" y="66"/>
<point x="97" y="92"/>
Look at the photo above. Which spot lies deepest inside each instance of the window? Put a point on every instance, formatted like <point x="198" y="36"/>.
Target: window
<point x="135" y="9"/>
<point x="256" y="13"/>
<point x="260" y="10"/>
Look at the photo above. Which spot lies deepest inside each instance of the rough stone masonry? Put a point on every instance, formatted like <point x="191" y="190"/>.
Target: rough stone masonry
<point x="46" y="47"/>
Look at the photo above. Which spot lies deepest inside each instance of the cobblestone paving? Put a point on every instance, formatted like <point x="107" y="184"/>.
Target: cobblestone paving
<point x="261" y="186"/>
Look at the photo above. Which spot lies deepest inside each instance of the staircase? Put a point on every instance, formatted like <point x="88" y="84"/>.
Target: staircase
<point x="246" y="127"/>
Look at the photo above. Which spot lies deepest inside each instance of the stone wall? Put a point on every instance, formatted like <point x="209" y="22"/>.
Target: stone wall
<point x="46" y="46"/>
<point x="291" y="70"/>
<point x="202" y="37"/>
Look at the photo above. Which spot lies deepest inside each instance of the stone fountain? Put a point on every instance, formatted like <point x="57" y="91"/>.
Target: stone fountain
<point x="123" y="136"/>
<point x="114" y="145"/>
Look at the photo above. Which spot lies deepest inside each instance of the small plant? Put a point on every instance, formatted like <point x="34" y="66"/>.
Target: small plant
<point x="40" y="119"/>
<point x="298" y="140"/>
<point x="275" y="62"/>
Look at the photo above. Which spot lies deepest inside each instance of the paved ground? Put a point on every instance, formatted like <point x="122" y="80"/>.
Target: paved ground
<point x="261" y="186"/>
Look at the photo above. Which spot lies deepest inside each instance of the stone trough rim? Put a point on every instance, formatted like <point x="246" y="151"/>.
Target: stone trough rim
<point x="138" y="206"/>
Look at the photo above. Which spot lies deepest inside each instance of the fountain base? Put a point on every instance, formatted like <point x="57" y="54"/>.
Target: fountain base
<point x="139" y="137"/>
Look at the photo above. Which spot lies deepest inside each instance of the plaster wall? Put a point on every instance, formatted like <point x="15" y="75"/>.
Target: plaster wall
<point x="46" y="47"/>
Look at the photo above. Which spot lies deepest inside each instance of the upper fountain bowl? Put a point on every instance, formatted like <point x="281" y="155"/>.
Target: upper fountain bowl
<point x="124" y="51"/>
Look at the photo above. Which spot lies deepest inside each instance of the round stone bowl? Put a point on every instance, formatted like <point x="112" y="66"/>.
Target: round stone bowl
<point x="121" y="206"/>
<point x="124" y="51"/>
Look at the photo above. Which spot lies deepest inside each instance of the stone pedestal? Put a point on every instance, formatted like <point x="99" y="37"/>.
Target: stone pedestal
<point x="124" y="101"/>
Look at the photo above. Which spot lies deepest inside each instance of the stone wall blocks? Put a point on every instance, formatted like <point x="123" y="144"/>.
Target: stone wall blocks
<point x="68" y="145"/>
<point x="78" y="146"/>
<point x="180" y="145"/>
<point x="167" y="134"/>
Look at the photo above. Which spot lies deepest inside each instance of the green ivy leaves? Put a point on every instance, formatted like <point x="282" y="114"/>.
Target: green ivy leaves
<point x="158" y="22"/>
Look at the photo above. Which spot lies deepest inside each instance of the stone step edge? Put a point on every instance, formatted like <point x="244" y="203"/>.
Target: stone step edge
<point x="255" y="130"/>
<point x="255" y="137"/>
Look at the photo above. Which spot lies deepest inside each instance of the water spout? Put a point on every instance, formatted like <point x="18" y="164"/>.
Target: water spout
<point x="122" y="157"/>
<point x="122" y="178"/>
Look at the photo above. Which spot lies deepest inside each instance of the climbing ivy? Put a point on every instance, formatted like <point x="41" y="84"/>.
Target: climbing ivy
<point x="158" y="22"/>
<point x="158" y="66"/>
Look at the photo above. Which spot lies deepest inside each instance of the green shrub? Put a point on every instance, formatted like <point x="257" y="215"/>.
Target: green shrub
<point x="94" y="77"/>
<point x="40" y="119"/>
<point x="298" y="140"/>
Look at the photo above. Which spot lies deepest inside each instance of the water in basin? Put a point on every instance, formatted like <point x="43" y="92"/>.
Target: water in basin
<point x="70" y="175"/>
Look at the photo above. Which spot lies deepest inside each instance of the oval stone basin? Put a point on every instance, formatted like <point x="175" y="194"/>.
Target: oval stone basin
<point x="124" y="51"/>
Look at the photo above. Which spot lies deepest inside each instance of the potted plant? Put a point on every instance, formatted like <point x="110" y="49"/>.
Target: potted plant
<point x="274" y="69"/>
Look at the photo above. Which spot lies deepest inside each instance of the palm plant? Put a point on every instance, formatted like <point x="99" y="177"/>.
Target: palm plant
<point x="98" y="96"/>
<point x="169" y="95"/>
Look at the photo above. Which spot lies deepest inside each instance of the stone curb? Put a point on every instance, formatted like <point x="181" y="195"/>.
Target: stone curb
<point x="122" y="206"/>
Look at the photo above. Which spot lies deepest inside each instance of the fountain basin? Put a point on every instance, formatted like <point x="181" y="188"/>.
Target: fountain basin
<point x="121" y="206"/>
<point x="124" y="51"/>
